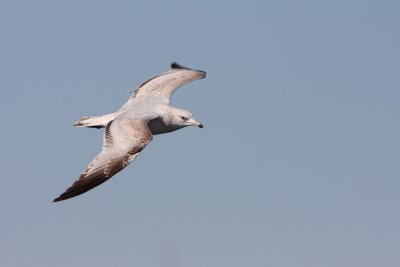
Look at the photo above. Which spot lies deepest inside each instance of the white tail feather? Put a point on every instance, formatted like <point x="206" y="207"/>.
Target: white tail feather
<point x="95" y="122"/>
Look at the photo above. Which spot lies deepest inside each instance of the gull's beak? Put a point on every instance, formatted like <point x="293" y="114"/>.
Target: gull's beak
<point x="195" y="123"/>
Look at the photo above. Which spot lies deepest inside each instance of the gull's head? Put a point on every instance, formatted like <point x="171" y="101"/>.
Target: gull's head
<point x="185" y="118"/>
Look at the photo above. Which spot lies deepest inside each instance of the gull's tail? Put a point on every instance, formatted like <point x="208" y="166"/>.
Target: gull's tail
<point x="95" y="122"/>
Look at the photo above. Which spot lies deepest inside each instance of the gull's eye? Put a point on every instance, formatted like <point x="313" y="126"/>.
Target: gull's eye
<point x="183" y="118"/>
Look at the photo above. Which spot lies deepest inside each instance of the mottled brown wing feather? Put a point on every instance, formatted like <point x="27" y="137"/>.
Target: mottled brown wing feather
<point x="123" y="140"/>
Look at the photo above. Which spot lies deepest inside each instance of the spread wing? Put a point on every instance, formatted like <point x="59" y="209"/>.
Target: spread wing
<point x="123" y="140"/>
<point x="161" y="87"/>
<point x="164" y="85"/>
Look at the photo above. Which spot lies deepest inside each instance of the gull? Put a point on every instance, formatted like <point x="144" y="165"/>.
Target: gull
<point x="130" y="129"/>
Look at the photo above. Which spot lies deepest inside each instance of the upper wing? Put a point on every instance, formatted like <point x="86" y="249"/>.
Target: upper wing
<point x="164" y="85"/>
<point x="123" y="140"/>
<point x="161" y="86"/>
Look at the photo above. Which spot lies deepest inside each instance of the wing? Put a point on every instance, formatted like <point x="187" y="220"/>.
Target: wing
<point x="161" y="86"/>
<point x="164" y="85"/>
<point x="123" y="140"/>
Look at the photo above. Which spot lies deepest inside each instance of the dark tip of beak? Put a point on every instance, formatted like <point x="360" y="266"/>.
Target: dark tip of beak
<point x="201" y="125"/>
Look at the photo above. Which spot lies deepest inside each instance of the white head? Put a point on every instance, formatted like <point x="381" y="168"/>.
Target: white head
<point x="181" y="118"/>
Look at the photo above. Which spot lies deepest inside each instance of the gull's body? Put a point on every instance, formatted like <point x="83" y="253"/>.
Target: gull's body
<point x="130" y="129"/>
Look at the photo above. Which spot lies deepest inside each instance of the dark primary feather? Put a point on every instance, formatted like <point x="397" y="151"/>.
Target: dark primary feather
<point x="178" y="66"/>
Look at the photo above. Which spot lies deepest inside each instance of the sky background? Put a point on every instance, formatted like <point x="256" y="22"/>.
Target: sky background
<point x="298" y="163"/>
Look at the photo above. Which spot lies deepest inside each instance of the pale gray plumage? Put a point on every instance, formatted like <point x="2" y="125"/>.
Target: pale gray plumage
<point x="128" y="130"/>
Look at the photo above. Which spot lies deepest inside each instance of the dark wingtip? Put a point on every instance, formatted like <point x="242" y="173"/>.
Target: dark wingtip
<point x="176" y="66"/>
<point x="62" y="197"/>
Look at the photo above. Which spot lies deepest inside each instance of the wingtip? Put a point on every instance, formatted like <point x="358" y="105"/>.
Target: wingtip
<point x="62" y="197"/>
<point x="57" y="199"/>
<point x="66" y="195"/>
<point x="177" y="66"/>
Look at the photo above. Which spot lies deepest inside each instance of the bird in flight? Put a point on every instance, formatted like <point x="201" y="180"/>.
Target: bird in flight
<point x="127" y="131"/>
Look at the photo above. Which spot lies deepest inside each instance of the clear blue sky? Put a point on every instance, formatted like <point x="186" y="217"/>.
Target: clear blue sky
<point x="298" y="163"/>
